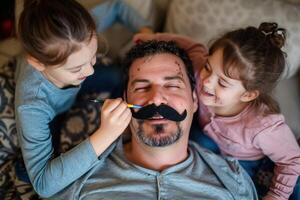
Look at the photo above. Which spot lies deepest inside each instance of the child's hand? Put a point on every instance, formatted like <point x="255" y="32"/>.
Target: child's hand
<point x="115" y="117"/>
<point x="146" y="30"/>
<point x="143" y="37"/>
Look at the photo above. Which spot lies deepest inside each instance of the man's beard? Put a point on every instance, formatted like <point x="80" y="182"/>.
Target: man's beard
<point x="153" y="140"/>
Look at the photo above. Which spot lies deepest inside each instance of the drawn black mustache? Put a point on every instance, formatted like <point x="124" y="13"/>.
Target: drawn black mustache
<point x="151" y="110"/>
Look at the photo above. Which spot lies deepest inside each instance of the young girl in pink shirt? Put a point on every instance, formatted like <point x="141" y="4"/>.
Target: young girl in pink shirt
<point x="237" y="111"/>
<point x="238" y="116"/>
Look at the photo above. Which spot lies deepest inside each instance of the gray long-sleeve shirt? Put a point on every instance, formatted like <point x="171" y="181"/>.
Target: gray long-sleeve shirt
<point x="203" y="175"/>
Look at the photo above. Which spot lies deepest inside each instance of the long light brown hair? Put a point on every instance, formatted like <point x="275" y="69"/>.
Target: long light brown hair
<point x="51" y="30"/>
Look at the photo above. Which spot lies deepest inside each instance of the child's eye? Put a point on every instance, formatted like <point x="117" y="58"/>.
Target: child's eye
<point x="222" y="84"/>
<point x="206" y="67"/>
<point x="75" y="71"/>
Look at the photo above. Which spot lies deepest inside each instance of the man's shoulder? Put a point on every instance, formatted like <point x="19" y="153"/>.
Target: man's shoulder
<point x="229" y="172"/>
<point x="208" y="154"/>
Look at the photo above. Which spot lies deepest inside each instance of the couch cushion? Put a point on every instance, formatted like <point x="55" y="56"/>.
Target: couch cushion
<point x="206" y="20"/>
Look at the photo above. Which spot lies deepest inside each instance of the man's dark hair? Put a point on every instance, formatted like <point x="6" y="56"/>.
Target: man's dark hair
<point x="154" y="47"/>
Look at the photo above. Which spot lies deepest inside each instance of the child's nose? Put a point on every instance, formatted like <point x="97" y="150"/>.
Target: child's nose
<point x="157" y="96"/>
<point x="208" y="81"/>
<point x="88" y="70"/>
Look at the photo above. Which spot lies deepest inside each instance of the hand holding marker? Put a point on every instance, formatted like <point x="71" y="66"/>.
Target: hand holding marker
<point x="148" y="111"/>
<point x="128" y="105"/>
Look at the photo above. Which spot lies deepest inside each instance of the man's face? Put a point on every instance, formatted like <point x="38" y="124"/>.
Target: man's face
<point x="161" y="79"/>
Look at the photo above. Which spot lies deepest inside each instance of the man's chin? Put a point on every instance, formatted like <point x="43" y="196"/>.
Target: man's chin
<point x="163" y="140"/>
<point x="160" y="134"/>
<point x="159" y="139"/>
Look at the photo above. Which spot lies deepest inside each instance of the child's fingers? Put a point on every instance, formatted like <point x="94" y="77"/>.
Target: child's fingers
<point x="125" y="119"/>
<point x="120" y="109"/>
<point x="128" y="117"/>
<point x="136" y="38"/>
<point x="146" y="30"/>
<point x="111" y="104"/>
<point x="142" y="37"/>
<point x="125" y="115"/>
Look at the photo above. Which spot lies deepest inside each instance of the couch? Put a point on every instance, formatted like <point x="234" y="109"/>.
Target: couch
<point x="202" y="20"/>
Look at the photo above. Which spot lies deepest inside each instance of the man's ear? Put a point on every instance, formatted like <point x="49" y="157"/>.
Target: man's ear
<point x="124" y="96"/>
<point x="249" y="96"/>
<point x="195" y="100"/>
<point x="35" y="63"/>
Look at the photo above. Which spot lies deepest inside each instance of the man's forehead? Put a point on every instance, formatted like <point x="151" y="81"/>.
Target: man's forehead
<point x="163" y="62"/>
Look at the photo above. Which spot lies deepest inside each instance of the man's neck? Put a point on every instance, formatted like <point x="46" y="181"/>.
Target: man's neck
<point x="156" y="158"/>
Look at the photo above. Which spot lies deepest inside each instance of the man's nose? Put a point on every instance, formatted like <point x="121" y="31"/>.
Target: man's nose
<point x="88" y="70"/>
<point x="158" y="96"/>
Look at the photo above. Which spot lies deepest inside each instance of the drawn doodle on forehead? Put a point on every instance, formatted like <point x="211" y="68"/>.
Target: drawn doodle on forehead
<point x="179" y="69"/>
<point x="145" y="60"/>
<point x="148" y="58"/>
<point x="177" y="63"/>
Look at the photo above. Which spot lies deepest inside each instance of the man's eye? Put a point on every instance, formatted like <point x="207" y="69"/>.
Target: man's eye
<point x="141" y="89"/>
<point x="172" y="86"/>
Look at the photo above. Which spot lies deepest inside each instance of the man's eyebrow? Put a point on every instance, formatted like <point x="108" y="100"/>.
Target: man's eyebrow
<point x="218" y="75"/>
<point x="166" y="78"/>
<point x="174" y="78"/>
<point x="139" y="81"/>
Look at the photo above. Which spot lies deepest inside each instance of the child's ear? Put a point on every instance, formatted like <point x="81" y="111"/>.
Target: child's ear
<point x="35" y="63"/>
<point x="249" y="96"/>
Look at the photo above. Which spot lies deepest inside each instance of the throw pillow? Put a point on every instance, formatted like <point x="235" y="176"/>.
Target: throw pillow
<point x="206" y="20"/>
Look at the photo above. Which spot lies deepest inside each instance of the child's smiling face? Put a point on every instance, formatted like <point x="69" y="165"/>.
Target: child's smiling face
<point x="224" y="95"/>
<point x="78" y="67"/>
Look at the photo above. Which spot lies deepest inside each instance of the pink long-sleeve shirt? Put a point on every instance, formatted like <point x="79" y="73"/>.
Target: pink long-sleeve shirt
<point x="251" y="136"/>
<point x="248" y="135"/>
